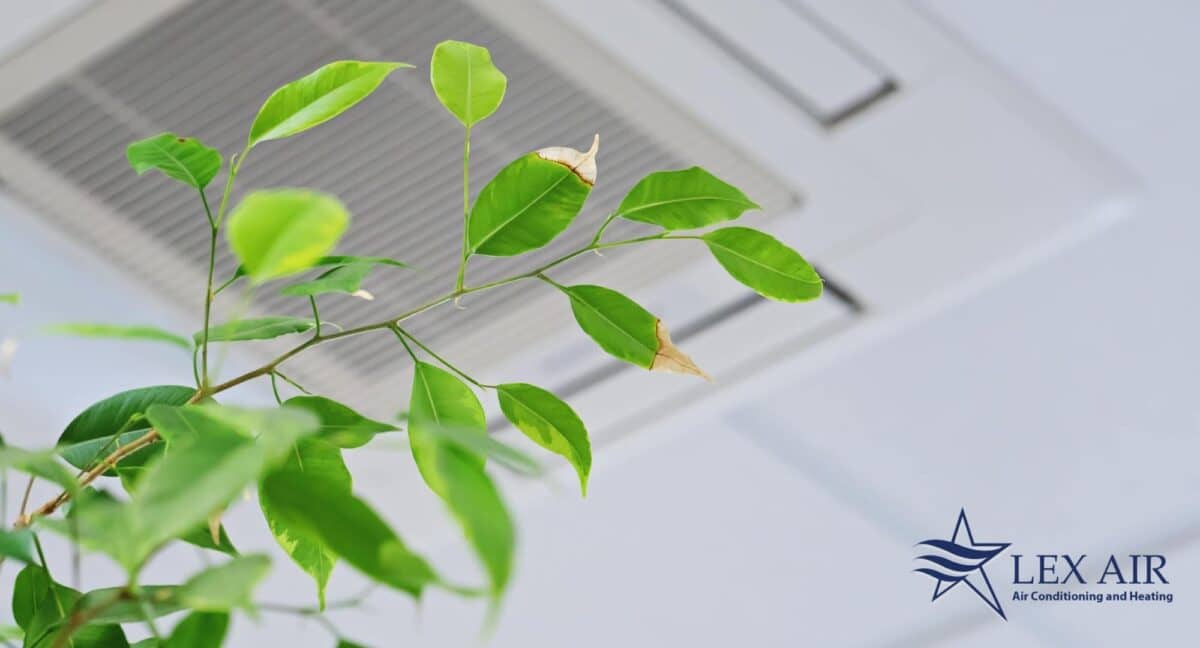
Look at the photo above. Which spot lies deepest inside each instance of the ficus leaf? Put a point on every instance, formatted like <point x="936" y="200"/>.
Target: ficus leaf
<point x="185" y="159"/>
<point x="339" y="424"/>
<point x="320" y="464"/>
<point x="684" y="199"/>
<point x="627" y="331"/>
<point x="349" y="528"/>
<point x="94" y="428"/>
<point x="278" y="232"/>
<point x="317" y="98"/>
<point x="199" y="630"/>
<point x="225" y="587"/>
<point x="10" y="298"/>
<point x="119" y="605"/>
<point x="531" y="201"/>
<point x="258" y="328"/>
<point x="466" y="81"/>
<point x="767" y="266"/>
<point x="40" y="606"/>
<point x="456" y="475"/>
<point x="485" y="447"/>
<point x="341" y="279"/>
<point x="17" y="543"/>
<point x="119" y="332"/>
<point x="548" y="422"/>
<point x="39" y="463"/>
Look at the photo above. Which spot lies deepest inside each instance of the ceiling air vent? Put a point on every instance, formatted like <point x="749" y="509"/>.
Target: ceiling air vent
<point x="203" y="69"/>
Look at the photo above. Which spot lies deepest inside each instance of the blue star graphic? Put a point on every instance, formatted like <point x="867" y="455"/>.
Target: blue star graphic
<point x="959" y="561"/>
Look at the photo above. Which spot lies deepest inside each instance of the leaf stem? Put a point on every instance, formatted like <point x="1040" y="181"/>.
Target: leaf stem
<point x="316" y="316"/>
<point x="291" y="382"/>
<point x="405" y="334"/>
<point x="603" y="226"/>
<point x="208" y="289"/>
<point x="37" y="544"/>
<point x="466" y="184"/>
<point x="275" y="389"/>
<point x="400" y="336"/>
<point x="391" y="323"/>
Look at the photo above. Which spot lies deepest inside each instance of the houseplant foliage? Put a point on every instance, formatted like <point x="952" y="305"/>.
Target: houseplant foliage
<point x="160" y="464"/>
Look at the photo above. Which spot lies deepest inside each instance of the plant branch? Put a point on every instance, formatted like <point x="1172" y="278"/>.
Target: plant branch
<point x="208" y="287"/>
<point x="316" y="316"/>
<point x="466" y="184"/>
<point x="152" y="435"/>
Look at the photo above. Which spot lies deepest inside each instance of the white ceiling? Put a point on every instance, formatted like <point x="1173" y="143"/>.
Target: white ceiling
<point x="782" y="513"/>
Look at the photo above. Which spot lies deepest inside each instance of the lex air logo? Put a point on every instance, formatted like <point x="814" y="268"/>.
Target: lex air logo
<point x="961" y="560"/>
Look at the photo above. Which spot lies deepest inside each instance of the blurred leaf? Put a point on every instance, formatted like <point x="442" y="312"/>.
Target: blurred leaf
<point x="258" y="328"/>
<point x="531" y="201"/>
<point x="119" y="606"/>
<point x="344" y="643"/>
<point x="185" y="159"/>
<point x="212" y="454"/>
<point x="41" y="612"/>
<point x="40" y="463"/>
<point x="11" y="633"/>
<point x="439" y="399"/>
<point x="120" y="332"/>
<point x="93" y="429"/>
<point x="320" y="464"/>
<point x="627" y="331"/>
<point x="278" y="232"/>
<point x="17" y="543"/>
<point x="348" y="528"/>
<point x="202" y="537"/>
<point x="465" y="81"/>
<point x="225" y="587"/>
<point x="485" y="447"/>
<point x="767" y="266"/>
<point x="10" y="298"/>
<point x="685" y="199"/>
<point x="317" y="98"/>
<point x="339" y="424"/>
<point x="342" y="279"/>
<point x="199" y="630"/>
<point x="548" y="422"/>
<point x="335" y="260"/>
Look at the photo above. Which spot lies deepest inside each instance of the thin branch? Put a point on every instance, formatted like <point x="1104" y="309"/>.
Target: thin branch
<point x="466" y="193"/>
<point x="152" y="435"/>
<point x="291" y="382"/>
<point x="275" y="389"/>
<point x="405" y="334"/>
<point x="316" y="316"/>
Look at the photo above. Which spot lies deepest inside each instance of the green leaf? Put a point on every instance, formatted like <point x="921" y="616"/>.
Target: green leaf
<point x="465" y="81"/>
<point x="317" y="98"/>
<point x="531" y="201"/>
<point x="439" y="399"/>
<point x="278" y="232"/>
<point x="40" y="606"/>
<point x="93" y="429"/>
<point x="225" y="587"/>
<point x="348" y="528"/>
<point x="342" y="279"/>
<point x="339" y="424"/>
<point x="485" y="447"/>
<point x="212" y="454"/>
<point x="17" y="543"/>
<point x="767" y="266"/>
<point x="627" y="331"/>
<point x="117" y="605"/>
<point x="550" y="423"/>
<point x="40" y="463"/>
<point x="685" y="199"/>
<point x="199" y="630"/>
<point x="341" y="259"/>
<point x="185" y="159"/>
<point x="258" y="328"/>
<point x="202" y="537"/>
<point x="617" y="323"/>
<point x="320" y="464"/>
<point x="10" y="298"/>
<point x="120" y="332"/>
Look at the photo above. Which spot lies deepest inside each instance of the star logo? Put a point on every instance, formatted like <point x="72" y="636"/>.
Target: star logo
<point x="960" y="560"/>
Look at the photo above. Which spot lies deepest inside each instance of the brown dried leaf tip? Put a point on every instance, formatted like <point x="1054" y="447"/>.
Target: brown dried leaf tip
<point x="582" y="164"/>
<point x="670" y="358"/>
